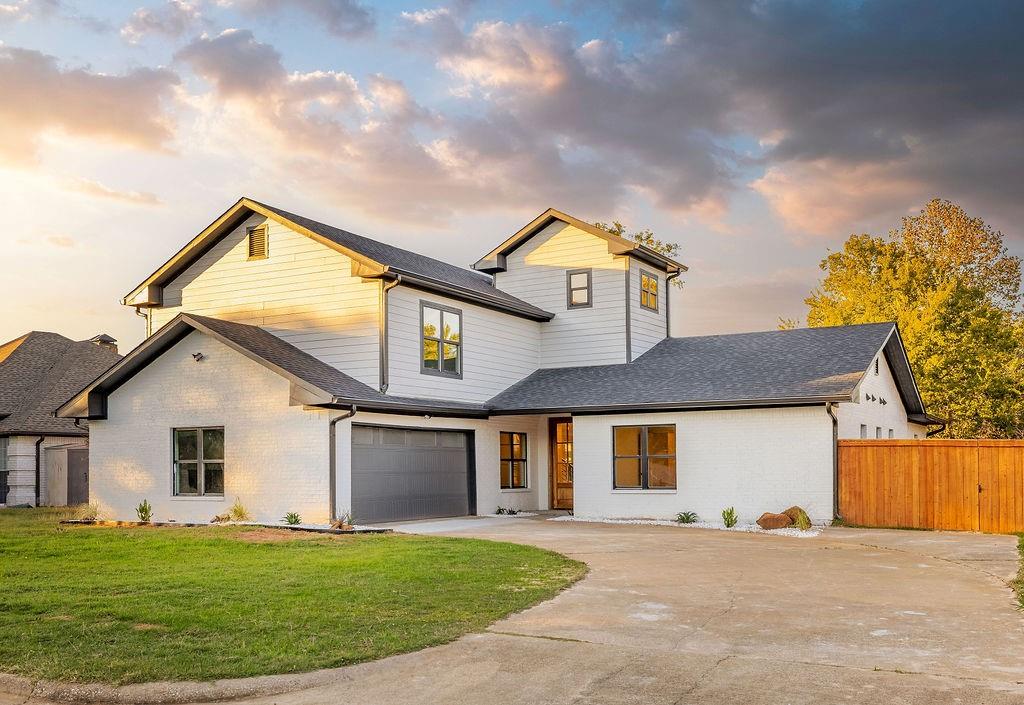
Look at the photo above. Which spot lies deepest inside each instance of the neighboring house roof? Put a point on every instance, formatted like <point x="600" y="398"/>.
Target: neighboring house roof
<point x="38" y="371"/>
<point x="494" y="261"/>
<point x="314" y="381"/>
<point x="810" y="365"/>
<point x="775" y="368"/>
<point x="370" y="257"/>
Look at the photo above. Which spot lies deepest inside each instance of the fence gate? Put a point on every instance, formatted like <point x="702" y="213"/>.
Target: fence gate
<point x="961" y="485"/>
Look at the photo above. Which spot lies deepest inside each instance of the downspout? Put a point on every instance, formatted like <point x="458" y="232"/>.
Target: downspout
<point x="39" y="444"/>
<point x="668" y="298"/>
<point x="830" y="408"/>
<point x="138" y="312"/>
<point x="332" y="461"/>
<point x="940" y="429"/>
<point x="382" y="326"/>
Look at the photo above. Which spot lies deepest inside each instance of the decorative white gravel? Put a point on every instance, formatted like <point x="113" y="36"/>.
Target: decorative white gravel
<point x="743" y="528"/>
<point x="511" y="516"/>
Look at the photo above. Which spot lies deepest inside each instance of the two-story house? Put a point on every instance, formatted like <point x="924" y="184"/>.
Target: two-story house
<point x="299" y="367"/>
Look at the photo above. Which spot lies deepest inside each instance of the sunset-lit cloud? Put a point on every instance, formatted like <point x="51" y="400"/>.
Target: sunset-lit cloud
<point x="756" y="133"/>
<point x="39" y="95"/>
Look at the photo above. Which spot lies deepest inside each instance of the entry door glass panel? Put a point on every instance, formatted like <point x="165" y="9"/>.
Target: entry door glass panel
<point x="561" y="465"/>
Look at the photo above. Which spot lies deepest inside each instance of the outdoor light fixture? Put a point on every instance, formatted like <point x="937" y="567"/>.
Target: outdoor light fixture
<point x="197" y="356"/>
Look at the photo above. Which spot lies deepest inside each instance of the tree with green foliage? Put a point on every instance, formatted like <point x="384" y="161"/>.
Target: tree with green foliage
<point x="646" y="238"/>
<point x="948" y="281"/>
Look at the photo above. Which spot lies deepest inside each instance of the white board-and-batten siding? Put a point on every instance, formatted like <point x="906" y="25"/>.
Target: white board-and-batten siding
<point x="498" y="350"/>
<point x="536" y="273"/>
<point x="302" y="292"/>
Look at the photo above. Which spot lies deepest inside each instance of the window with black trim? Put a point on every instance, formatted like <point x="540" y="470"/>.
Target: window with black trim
<point x="648" y="290"/>
<point x="441" y="349"/>
<point x="579" y="288"/>
<point x="644" y="457"/>
<point x="512" y="460"/>
<point x="199" y="462"/>
<point x="258" y="242"/>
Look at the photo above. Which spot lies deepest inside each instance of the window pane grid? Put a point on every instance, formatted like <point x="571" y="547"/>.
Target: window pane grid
<point x="512" y="460"/>
<point x="198" y="461"/>
<point x="635" y="466"/>
<point x="648" y="291"/>
<point x="442" y="341"/>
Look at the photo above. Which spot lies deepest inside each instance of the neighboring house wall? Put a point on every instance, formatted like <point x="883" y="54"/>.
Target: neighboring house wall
<point x="489" y="495"/>
<point x="756" y="460"/>
<point x="302" y="292"/>
<point x="498" y="350"/>
<point x="276" y="455"/>
<point x="647" y="328"/>
<point x="21" y="467"/>
<point x="536" y="273"/>
<point x="872" y="413"/>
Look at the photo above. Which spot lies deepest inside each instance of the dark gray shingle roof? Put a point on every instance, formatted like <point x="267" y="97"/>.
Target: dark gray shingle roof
<point x="810" y="363"/>
<point x="404" y="261"/>
<point x="40" y="373"/>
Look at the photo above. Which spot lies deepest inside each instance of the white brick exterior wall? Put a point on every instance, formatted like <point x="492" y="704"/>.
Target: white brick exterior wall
<point x="276" y="455"/>
<point x="756" y="460"/>
<point x="872" y="413"/>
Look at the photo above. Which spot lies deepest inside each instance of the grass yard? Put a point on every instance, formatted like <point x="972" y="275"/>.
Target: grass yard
<point x="124" y="605"/>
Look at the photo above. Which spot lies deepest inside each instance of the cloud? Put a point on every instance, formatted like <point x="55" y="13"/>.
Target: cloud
<point x="172" y="19"/>
<point x="61" y="241"/>
<point x="23" y="10"/>
<point x="40" y="96"/>
<point x="98" y="190"/>
<point x="342" y="18"/>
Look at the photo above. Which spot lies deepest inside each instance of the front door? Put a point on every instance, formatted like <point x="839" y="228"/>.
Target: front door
<point x="560" y="432"/>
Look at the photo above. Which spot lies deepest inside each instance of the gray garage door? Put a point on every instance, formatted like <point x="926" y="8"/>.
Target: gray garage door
<point x="400" y="474"/>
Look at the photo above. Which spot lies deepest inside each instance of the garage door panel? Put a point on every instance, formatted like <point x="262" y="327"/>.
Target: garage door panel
<point x="400" y="474"/>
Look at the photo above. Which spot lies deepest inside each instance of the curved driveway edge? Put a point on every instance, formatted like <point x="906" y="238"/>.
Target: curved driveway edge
<point x="695" y="616"/>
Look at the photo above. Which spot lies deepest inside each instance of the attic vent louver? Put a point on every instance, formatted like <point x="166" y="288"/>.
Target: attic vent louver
<point x="257" y="242"/>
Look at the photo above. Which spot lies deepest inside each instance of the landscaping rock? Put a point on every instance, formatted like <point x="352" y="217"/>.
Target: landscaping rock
<point x="769" y="521"/>
<point x="799" y="518"/>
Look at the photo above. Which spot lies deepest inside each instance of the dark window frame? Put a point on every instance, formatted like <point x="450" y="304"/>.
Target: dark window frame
<point x="644" y="458"/>
<point x="200" y="462"/>
<point x="442" y="341"/>
<point x="656" y="294"/>
<point x="569" y="288"/>
<point x="524" y="461"/>
<point x="266" y="241"/>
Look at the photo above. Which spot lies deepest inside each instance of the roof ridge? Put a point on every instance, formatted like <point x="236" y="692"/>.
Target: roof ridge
<point x="291" y="215"/>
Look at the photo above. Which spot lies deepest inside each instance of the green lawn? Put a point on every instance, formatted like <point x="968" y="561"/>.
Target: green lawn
<point x="124" y="605"/>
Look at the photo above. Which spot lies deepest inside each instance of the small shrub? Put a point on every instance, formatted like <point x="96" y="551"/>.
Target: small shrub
<point x="238" y="512"/>
<point x="344" y="521"/>
<point x="221" y="518"/>
<point x="729" y="517"/>
<point x="145" y="511"/>
<point x="799" y="517"/>
<point x="292" y="518"/>
<point x="499" y="510"/>
<point x="510" y="511"/>
<point x="687" y="517"/>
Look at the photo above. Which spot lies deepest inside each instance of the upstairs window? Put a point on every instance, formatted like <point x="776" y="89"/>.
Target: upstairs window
<point x="258" y="244"/>
<point x="198" y="462"/>
<point x="648" y="290"/>
<point x="579" y="288"/>
<point x="442" y="340"/>
<point x="512" y="460"/>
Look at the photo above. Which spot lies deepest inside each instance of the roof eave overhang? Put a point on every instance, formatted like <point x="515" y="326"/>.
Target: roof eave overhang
<point x="468" y="295"/>
<point x="212" y="234"/>
<point x="495" y="261"/>
<point x="91" y="402"/>
<point x="405" y="409"/>
<point x="710" y="405"/>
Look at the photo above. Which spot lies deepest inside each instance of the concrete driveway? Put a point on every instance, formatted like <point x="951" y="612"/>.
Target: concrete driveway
<point x="670" y="615"/>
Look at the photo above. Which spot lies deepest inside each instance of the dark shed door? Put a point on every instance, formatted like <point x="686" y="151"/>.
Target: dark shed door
<point x="78" y="476"/>
<point x="400" y="474"/>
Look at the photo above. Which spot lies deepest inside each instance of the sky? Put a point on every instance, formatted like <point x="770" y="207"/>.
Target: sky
<point x="756" y="134"/>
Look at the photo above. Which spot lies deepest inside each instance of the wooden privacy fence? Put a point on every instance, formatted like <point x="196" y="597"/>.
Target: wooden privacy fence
<point x="965" y="485"/>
